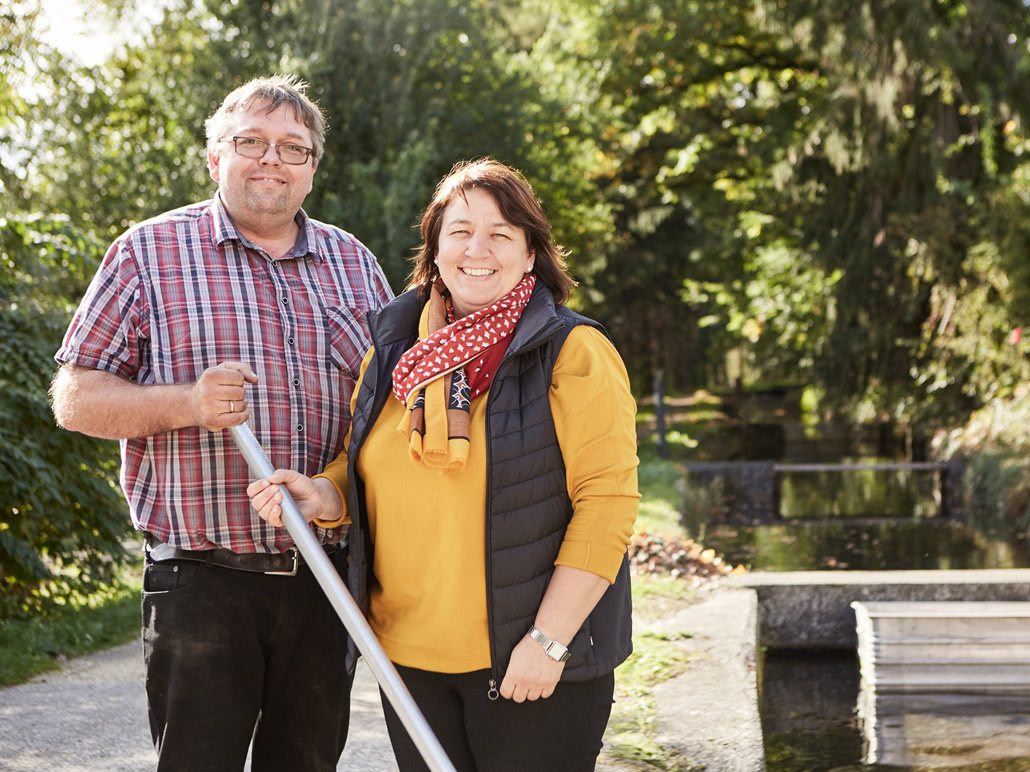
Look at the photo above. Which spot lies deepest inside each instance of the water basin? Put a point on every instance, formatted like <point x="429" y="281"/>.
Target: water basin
<point x="816" y="717"/>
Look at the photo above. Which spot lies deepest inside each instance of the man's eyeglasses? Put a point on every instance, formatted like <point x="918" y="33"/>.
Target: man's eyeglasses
<point x="289" y="153"/>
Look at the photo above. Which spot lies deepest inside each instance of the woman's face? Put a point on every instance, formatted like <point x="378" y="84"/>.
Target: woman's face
<point x="480" y="256"/>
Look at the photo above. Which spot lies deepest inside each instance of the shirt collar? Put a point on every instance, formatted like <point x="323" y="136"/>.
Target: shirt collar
<point x="225" y="230"/>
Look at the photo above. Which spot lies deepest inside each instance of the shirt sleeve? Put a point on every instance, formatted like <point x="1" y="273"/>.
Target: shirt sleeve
<point x="109" y="329"/>
<point x="595" y="420"/>
<point x="336" y="470"/>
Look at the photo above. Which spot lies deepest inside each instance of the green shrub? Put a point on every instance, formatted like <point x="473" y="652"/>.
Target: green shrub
<point x="996" y="491"/>
<point x="62" y="516"/>
<point x="34" y="644"/>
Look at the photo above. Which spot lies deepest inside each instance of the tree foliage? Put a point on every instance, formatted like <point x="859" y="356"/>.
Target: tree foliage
<point x="821" y="184"/>
<point x="918" y="133"/>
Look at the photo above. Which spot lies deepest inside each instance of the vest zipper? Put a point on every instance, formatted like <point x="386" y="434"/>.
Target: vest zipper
<point x="492" y="691"/>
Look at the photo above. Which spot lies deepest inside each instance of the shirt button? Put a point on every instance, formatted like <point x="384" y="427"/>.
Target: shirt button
<point x="286" y="300"/>
<point x="300" y="428"/>
<point x="290" y="340"/>
<point x="296" y="381"/>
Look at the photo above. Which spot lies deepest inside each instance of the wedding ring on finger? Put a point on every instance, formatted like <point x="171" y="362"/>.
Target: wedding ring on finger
<point x="232" y="406"/>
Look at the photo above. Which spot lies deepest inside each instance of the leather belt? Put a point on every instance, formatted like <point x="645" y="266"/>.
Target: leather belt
<point x="276" y="564"/>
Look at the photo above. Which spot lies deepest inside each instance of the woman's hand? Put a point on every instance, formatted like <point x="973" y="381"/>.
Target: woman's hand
<point x="266" y="497"/>
<point x="531" y="673"/>
<point x="570" y="597"/>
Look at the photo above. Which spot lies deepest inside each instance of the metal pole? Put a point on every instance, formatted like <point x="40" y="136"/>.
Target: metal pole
<point x="348" y="610"/>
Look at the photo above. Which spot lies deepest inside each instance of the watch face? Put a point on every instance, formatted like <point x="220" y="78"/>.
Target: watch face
<point x="554" y="649"/>
<point x="557" y="652"/>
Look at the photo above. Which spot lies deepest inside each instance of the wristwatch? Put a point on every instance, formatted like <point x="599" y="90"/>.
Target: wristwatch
<point x="555" y="650"/>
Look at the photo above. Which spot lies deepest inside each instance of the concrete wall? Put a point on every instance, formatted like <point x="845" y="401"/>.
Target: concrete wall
<point x="812" y="609"/>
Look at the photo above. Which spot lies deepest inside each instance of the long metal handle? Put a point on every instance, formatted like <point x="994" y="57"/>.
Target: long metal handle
<point x="367" y="643"/>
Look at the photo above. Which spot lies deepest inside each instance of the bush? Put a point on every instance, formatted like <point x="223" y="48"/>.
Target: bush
<point x="996" y="491"/>
<point x="996" y="482"/>
<point x="62" y="516"/>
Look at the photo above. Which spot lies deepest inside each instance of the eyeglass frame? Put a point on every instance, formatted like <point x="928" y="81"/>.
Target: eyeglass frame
<point x="236" y="149"/>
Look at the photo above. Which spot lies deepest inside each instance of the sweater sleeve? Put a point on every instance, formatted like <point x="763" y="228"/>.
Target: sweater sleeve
<point x="594" y="418"/>
<point x="336" y="470"/>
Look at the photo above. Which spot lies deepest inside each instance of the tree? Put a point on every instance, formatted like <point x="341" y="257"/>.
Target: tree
<point x="684" y="132"/>
<point x="819" y="183"/>
<point x="910" y="143"/>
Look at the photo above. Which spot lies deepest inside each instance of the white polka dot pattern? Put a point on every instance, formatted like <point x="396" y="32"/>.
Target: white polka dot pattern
<point x="461" y="342"/>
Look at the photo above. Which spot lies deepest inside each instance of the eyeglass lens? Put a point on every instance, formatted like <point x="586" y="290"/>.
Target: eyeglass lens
<point x="251" y="147"/>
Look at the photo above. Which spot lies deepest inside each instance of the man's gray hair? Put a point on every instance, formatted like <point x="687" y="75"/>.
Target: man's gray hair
<point x="269" y="93"/>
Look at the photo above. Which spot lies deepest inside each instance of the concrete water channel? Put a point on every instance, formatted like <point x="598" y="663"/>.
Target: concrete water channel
<point x="868" y="515"/>
<point x="816" y="714"/>
<point x="823" y="516"/>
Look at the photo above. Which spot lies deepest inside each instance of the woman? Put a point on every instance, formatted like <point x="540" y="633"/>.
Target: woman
<point x="490" y="481"/>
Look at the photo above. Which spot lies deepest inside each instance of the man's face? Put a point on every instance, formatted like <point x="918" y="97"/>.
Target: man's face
<point x="256" y="190"/>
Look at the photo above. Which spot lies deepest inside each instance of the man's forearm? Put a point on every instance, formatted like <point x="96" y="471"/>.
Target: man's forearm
<point x="104" y="405"/>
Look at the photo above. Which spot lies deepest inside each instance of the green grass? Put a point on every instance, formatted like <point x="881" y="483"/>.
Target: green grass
<point x="660" y="482"/>
<point x="656" y="657"/>
<point x="33" y="645"/>
<point x="649" y="588"/>
<point x="630" y="738"/>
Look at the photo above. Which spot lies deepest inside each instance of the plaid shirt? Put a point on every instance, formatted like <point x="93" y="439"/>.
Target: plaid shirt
<point x="185" y="291"/>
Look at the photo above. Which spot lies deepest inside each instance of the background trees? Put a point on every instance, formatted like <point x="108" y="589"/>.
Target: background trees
<point x="836" y="194"/>
<point x="821" y="185"/>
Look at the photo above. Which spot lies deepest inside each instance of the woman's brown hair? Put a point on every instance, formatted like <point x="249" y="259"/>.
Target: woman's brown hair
<point x="519" y="206"/>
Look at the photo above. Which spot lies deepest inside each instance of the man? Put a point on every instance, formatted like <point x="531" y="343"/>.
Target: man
<point x="239" y="309"/>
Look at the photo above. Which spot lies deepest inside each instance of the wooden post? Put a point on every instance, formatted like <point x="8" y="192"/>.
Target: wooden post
<point x="659" y="411"/>
<point x="952" y="483"/>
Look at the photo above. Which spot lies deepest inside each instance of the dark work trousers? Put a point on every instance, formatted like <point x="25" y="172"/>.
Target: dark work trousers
<point x="233" y="655"/>
<point x="560" y="734"/>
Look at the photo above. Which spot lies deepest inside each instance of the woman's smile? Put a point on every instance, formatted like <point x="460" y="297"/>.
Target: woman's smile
<point x="480" y="255"/>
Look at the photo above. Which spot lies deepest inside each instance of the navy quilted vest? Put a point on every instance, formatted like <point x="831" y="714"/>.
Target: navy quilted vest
<point x="527" y="507"/>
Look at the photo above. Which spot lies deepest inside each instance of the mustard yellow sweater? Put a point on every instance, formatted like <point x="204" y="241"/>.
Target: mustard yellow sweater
<point x="428" y="527"/>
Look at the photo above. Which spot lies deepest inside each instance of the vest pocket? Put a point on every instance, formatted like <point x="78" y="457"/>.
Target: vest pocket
<point x="581" y="650"/>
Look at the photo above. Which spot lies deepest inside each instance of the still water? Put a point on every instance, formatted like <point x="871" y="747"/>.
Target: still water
<point x="852" y="519"/>
<point x="858" y="519"/>
<point x="815" y="718"/>
<point x="869" y="544"/>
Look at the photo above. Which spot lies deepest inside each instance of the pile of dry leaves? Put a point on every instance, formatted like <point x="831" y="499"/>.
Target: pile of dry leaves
<point x="664" y="554"/>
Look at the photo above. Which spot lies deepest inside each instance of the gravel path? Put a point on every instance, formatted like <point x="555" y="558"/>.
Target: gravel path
<point x="92" y="715"/>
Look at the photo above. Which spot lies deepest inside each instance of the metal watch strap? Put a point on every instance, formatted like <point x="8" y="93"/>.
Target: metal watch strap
<point x="555" y="650"/>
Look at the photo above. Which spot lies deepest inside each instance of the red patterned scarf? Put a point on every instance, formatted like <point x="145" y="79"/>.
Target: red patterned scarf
<point x="452" y="363"/>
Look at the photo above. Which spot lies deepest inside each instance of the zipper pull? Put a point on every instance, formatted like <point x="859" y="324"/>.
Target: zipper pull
<point x="492" y="693"/>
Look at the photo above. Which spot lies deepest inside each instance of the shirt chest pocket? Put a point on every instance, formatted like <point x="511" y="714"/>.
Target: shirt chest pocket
<point x="349" y="338"/>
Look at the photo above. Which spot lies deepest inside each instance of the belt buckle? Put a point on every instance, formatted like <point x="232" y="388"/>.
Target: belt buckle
<point x="293" y="568"/>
